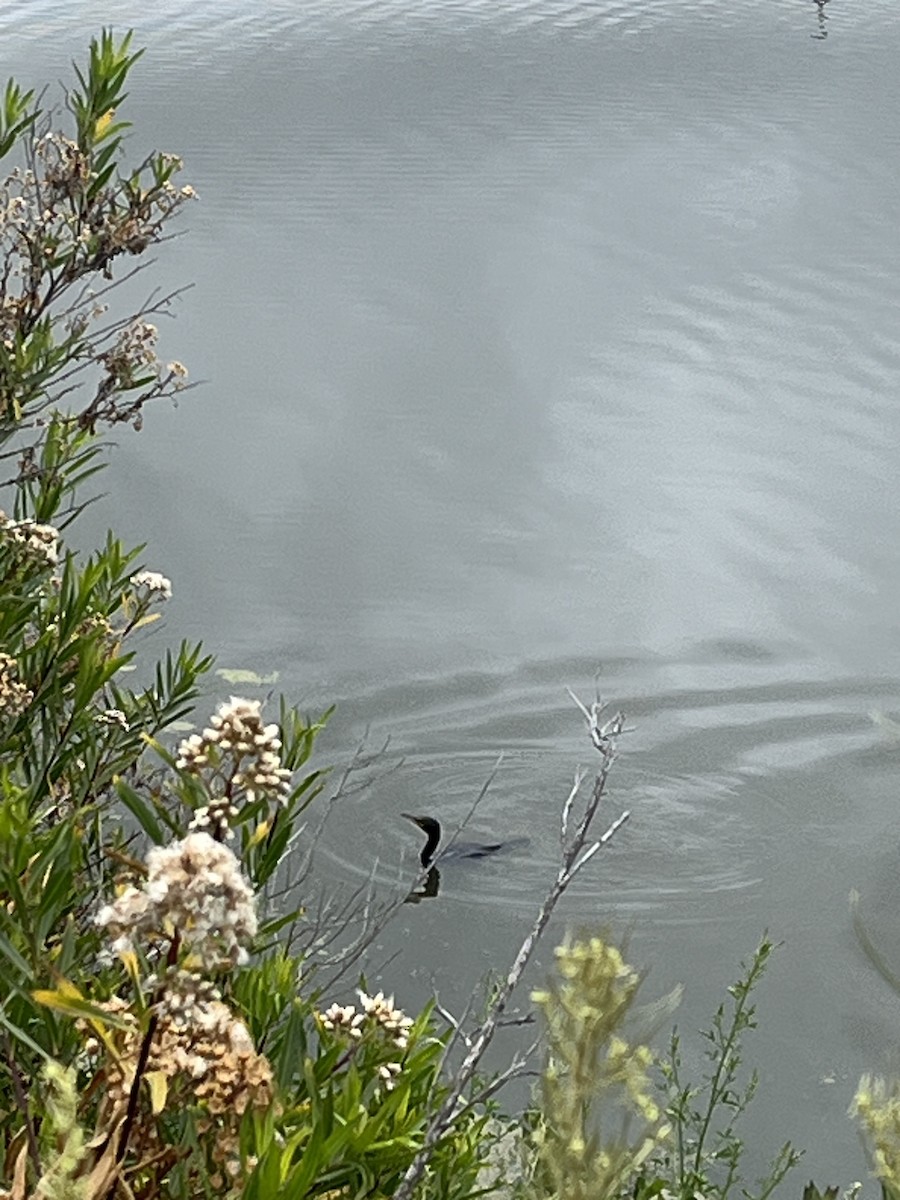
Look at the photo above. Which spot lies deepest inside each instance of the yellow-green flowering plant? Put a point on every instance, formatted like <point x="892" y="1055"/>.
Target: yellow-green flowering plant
<point x="876" y="1106"/>
<point x="598" y="1120"/>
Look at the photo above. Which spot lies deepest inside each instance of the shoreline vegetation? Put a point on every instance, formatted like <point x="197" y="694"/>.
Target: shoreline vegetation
<point x="174" y="1022"/>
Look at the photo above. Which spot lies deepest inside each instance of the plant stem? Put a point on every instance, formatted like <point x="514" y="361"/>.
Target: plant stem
<point x="741" y="994"/>
<point x="22" y="1102"/>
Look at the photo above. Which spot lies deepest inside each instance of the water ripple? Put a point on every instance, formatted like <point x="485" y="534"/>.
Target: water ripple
<point x="229" y="25"/>
<point x="714" y="775"/>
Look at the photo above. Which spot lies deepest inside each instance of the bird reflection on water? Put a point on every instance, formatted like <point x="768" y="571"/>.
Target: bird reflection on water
<point x="429" y="884"/>
<point x="428" y="888"/>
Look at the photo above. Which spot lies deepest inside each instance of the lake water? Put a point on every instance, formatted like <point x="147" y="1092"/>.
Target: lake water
<point x="543" y="338"/>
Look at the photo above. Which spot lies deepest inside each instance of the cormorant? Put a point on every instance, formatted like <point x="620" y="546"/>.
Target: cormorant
<point x="432" y="830"/>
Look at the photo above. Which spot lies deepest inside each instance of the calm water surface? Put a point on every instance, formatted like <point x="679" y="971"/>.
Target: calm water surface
<point x="543" y="337"/>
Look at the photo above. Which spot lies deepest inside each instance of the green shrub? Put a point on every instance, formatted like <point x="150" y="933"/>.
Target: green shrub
<point x="157" y="1036"/>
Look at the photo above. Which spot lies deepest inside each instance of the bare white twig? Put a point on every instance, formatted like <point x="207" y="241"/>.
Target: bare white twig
<point x="567" y="809"/>
<point x="585" y="712"/>
<point x="600" y="732"/>
<point x="516" y="1068"/>
<point x="601" y="841"/>
<point x="455" y="1025"/>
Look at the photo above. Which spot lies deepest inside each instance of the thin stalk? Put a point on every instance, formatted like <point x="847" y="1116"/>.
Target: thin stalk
<point x="742" y="995"/>
<point x="22" y="1103"/>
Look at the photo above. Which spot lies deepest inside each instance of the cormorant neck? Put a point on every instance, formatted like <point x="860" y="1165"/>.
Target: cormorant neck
<point x="433" y="837"/>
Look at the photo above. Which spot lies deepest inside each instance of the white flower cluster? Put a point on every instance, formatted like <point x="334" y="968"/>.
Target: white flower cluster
<point x="237" y="735"/>
<point x="343" y="1020"/>
<point x="134" y="351"/>
<point x="216" y="817"/>
<point x="114" y="716"/>
<point x="38" y="542"/>
<point x="377" y="1011"/>
<point x="202" y="1049"/>
<point x="392" y="1020"/>
<point x="195" y="887"/>
<point x="388" y="1072"/>
<point x="67" y="170"/>
<point x="14" y="695"/>
<point x="178" y="373"/>
<point x="189" y="1001"/>
<point x="185" y="997"/>
<point x="156" y="585"/>
<point x="61" y="210"/>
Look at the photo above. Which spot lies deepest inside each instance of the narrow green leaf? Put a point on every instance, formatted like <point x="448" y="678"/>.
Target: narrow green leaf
<point x="21" y="1036"/>
<point x="141" y="811"/>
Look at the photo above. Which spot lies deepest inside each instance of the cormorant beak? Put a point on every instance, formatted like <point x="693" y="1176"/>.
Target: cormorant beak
<point x="415" y="820"/>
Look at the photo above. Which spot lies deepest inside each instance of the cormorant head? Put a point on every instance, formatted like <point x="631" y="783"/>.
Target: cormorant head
<point x="432" y="830"/>
<point x="428" y="825"/>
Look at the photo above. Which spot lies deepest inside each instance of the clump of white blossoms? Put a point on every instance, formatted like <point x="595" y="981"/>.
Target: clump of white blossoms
<point x="375" y="1012"/>
<point x="389" y="1026"/>
<point x="216" y="817"/>
<point x="202" y="1050"/>
<point x="343" y="1019"/>
<point x="14" y="695"/>
<point x="393" y="1021"/>
<point x="39" y="543"/>
<point x="132" y="354"/>
<point x="241" y="750"/>
<point x="194" y="894"/>
<point x="114" y="716"/>
<point x="153" y="585"/>
<point x="177" y="371"/>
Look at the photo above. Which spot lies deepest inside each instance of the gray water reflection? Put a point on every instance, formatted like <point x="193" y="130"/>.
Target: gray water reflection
<point x="545" y="336"/>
